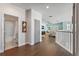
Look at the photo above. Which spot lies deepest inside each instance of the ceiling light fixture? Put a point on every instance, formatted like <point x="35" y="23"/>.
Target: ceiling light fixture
<point x="50" y="16"/>
<point x="47" y="7"/>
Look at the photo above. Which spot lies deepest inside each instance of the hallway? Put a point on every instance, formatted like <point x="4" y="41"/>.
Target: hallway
<point x="46" y="48"/>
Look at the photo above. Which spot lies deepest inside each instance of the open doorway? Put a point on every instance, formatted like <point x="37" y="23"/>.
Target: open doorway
<point x="10" y="32"/>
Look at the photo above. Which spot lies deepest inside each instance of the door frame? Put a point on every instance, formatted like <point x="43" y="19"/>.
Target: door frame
<point x="76" y="26"/>
<point x="4" y="29"/>
<point x="75" y="20"/>
<point x="34" y="30"/>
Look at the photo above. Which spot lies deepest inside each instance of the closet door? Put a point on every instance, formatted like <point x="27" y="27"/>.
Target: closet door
<point x="36" y="31"/>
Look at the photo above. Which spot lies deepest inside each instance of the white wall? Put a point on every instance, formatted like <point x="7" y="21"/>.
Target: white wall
<point x="15" y="11"/>
<point x="31" y="16"/>
<point x="28" y="33"/>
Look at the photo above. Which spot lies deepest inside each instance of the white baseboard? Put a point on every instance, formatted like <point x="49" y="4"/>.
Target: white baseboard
<point x="32" y="43"/>
<point x="28" y="43"/>
<point x="21" y="44"/>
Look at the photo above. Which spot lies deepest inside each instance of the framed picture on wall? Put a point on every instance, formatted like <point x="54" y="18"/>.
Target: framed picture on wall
<point x="24" y="26"/>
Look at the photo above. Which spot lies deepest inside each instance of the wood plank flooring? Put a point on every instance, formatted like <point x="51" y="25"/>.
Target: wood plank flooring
<point x="47" y="47"/>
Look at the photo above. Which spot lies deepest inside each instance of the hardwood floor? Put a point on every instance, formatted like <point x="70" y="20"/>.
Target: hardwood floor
<point x="47" y="47"/>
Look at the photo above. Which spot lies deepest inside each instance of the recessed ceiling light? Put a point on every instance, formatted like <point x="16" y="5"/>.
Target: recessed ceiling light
<point x="50" y="16"/>
<point x="47" y="7"/>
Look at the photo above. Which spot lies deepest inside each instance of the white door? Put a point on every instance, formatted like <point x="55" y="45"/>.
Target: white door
<point x="36" y="31"/>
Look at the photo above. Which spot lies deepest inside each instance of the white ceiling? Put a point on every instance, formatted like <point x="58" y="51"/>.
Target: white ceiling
<point x="55" y="9"/>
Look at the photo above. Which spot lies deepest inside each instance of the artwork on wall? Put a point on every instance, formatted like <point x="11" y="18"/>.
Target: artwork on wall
<point x="24" y="26"/>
